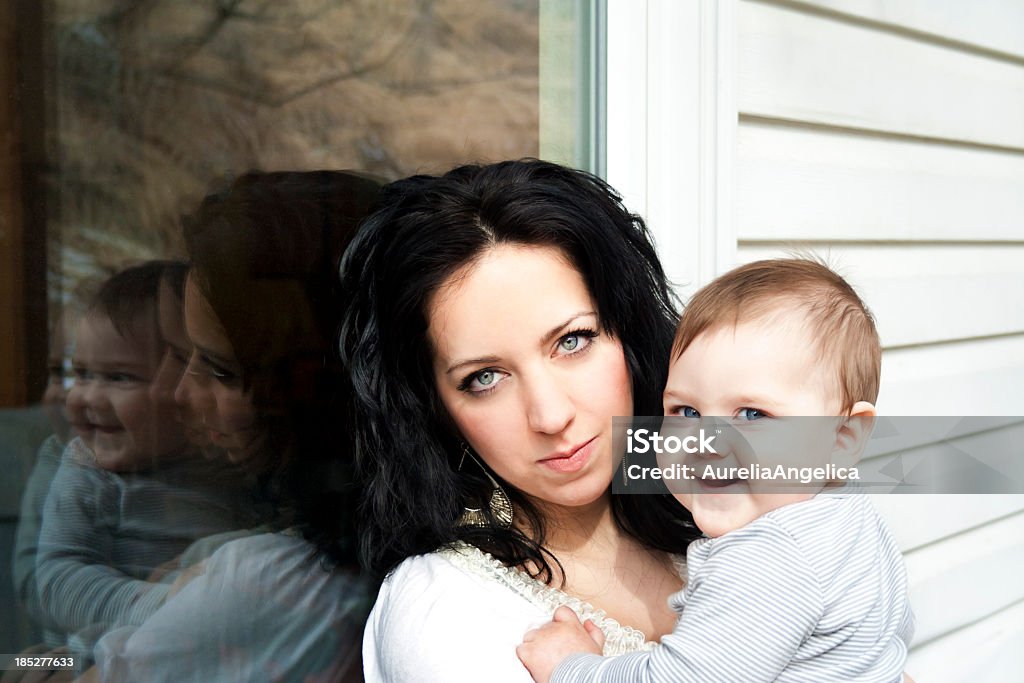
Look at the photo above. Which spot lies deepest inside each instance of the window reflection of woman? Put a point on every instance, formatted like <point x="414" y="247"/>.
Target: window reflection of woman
<point x="263" y="384"/>
<point x="501" y="316"/>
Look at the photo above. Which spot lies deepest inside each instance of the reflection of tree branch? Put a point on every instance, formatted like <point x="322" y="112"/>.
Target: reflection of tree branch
<point x="411" y="29"/>
<point x="424" y="19"/>
<point x="427" y="88"/>
<point x="224" y="88"/>
<point x="331" y="80"/>
<point x="119" y="15"/>
<point x="433" y="87"/>
<point x="259" y="98"/>
<point x="226" y="10"/>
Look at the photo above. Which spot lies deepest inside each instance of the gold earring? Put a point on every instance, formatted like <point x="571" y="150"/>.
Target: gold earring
<point x="499" y="505"/>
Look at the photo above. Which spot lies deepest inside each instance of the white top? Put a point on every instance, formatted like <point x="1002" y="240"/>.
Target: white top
<point x="458" y="615"/>
<point x="814" y="591"/>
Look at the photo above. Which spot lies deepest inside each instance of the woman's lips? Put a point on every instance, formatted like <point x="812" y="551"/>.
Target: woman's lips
<point x="573" y="462"/>
<point x="108" y="429"/>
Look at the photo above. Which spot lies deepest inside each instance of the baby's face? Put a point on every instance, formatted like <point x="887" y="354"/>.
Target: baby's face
<point x="111" y="405"/>
<point x="749" y="375"/>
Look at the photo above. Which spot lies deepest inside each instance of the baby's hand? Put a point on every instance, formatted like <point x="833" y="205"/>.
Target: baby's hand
<point x="196" y="570"/>
<point x="544" y="648"/>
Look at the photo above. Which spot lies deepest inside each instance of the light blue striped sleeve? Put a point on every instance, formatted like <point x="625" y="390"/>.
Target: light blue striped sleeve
<point x="77" y="588"/>
<point x="752" y="600"/>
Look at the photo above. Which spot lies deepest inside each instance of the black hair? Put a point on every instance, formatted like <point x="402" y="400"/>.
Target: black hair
<point x="265" y="254"/>
<point x="174" y="276"/>
<point x="407" y="453"/>
<point x="130" y="296"/>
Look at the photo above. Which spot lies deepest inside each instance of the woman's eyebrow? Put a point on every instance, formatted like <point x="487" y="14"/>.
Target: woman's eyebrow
<point x="183" y="350"/>
<point x="553" y="332"/>
<point x="471" y="361"/>
<point x="209" y="355"/>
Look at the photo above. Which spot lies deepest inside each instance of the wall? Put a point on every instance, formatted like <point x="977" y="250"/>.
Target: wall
<point x="887" y="137"/>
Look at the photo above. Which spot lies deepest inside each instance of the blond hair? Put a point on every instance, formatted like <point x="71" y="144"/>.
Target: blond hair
<point x="842" y="327"/>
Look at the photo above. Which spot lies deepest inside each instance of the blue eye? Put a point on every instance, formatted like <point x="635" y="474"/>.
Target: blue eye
<point x="687" y="411"/>
<point x="750" y="414"/>
<point x="576" y="342"/>
<point x="219" y="373"/>
<point x="483" y="381"/>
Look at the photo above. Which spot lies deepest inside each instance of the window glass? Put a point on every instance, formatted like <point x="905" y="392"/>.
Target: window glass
<point x="151" y="415"/>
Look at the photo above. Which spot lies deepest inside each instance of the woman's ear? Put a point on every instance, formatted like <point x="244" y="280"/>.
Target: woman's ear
<point x="853" y="434"/>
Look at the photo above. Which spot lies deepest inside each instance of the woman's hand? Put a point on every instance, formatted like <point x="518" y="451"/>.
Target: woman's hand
<point x="544" y="648"/>
<point x="162" y="570"/>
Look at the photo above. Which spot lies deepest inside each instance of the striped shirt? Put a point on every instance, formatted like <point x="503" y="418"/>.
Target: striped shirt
<point x="813" y="591"/>
<point x="104" y="532"/>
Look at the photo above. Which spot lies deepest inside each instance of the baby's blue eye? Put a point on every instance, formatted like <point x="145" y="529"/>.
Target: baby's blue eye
<point x="687" y="411"/>
<point x="750" y="414"/>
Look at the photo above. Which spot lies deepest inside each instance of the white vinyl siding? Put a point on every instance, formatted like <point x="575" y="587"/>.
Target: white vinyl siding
<point x="886" y="136"/>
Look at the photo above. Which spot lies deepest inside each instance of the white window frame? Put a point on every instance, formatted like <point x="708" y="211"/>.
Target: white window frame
<point x="671" y="127"/>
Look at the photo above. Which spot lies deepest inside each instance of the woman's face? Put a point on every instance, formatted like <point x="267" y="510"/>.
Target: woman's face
<point x="526" y="374"/>
<point x="177" y="351"/>
<point x="211" y="393"/>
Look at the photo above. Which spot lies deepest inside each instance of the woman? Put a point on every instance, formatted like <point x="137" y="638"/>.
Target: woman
<point x="500" y="317"/>
<point x="263" y="384"/>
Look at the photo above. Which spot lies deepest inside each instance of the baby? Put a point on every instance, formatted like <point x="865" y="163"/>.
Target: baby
<point x="799" y="582"/>
<point x="131" y="493"/>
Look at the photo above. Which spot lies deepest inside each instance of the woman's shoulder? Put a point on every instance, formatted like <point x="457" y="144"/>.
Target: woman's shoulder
<point x="454" y="579"/>
<point x="278" y="566"/>
<point x="429" y="602"/>
<point x="263" y="553"/>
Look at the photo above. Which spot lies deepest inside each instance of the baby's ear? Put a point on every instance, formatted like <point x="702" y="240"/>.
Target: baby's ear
<point x="853" y="434"/>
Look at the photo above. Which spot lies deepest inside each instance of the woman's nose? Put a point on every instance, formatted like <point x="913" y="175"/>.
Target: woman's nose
<point x="166" y="380"/>
<point x="184" y="392"/>
<point x="549" y="407"/>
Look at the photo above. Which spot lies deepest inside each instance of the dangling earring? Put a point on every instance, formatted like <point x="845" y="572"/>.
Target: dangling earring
<point x="499" y="504"/>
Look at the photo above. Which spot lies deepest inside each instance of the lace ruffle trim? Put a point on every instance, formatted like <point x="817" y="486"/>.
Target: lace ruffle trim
<point x="619" y="639"/>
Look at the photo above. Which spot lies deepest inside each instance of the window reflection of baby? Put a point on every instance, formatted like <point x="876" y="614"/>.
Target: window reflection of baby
<point x="130" y="493"/>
